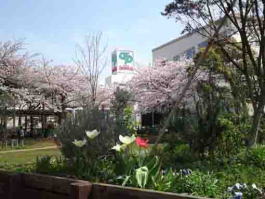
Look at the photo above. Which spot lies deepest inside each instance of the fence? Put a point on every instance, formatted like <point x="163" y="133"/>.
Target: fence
<point x="35" y="186"/>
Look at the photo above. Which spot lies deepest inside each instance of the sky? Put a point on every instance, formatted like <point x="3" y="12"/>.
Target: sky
<point x="55" y="27"/>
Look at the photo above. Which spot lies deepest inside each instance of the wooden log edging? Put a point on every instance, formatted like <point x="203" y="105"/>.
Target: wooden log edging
<point x="32" y="186"/>
<point x="107" y="191"/>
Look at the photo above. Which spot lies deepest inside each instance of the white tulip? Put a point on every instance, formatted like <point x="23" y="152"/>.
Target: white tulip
<point x="92" y="134"/>
<point x="79" y="143"/>
<point x="127" y="139"/>
<point x="254" y="186"/>
<point x="117" y="147"/>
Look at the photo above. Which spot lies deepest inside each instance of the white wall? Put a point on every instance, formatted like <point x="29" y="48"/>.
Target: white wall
<point x="119" y="78"/>
<point x="178" y="46"/>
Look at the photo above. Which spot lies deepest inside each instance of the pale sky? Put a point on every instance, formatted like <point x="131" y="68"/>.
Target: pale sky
<point x="54" y="27"/>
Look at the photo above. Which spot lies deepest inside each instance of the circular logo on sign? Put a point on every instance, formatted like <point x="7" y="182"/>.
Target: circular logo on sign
<point x="126" y="57"/>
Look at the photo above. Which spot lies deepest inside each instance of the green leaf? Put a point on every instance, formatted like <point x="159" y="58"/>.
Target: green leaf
<point x="141" y="176"/>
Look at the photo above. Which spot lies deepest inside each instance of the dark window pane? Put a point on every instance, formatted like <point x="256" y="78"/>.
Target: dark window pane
<point x="203" y="44"/>
<point x="190" y="53"/>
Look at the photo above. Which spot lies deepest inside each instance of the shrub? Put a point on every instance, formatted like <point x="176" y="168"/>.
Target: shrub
<point x="230" y="141"/>
<point x="197" y="183"/>
<point x="177" y="156"/>
<point x="73" y="131"/>
<point x="256" y="156"/>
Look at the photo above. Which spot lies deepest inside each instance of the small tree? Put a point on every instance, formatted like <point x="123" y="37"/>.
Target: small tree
<point x="91" y="60"/>
<point x="120" y="101"/>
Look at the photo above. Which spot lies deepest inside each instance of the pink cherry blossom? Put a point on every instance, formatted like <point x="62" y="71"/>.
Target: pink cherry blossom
<point x="157" y="87"/>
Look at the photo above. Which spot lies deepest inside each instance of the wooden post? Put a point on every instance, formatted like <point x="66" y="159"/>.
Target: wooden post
<point x="80" y="190"/>
<point x="19" y="121"/>
<point x="43" y="123"/>
<point x="60" y="118"/>
<point x="31" y="124"/>
<point x="26" y="123"/>
<point x="5" y="122"/>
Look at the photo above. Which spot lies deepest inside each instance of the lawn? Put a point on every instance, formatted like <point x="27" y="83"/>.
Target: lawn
<point x="30" y="143"/>
<point x="23" y="161"/>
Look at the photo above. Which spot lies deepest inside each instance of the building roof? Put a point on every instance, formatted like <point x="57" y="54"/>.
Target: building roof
<point x="183" y="36"/>
<point x="172" y="41"/>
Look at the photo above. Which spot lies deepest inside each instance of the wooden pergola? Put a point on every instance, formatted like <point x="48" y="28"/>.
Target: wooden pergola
<point x="28" y="116"/>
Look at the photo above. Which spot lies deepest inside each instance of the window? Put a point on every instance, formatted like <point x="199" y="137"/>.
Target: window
<point x="190" y="53"/>
<point x="176" y="58"/>
<point x="203" y="44"/>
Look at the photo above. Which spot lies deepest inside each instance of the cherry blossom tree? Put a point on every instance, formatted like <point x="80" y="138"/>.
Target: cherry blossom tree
<point x="62" y="85"/>
<point x="157" y="87"/>
<point x="34" y="83"/>
<point x="13" y="64"/>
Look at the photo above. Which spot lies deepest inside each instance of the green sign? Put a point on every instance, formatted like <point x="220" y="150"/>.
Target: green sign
<point x="126" y="57"/>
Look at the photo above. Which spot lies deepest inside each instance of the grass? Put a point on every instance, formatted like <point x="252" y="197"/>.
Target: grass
<point x="30" y="143"/>
<point x="17" y="161"/>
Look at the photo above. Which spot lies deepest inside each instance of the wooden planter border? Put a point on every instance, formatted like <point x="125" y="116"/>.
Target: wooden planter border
<point x="33" y="186"/>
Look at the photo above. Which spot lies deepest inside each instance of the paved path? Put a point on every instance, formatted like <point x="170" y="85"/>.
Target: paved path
<point x="25" y="150"/>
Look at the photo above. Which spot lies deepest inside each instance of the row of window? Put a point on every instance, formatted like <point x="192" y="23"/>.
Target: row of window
<point x="188" y="54"/>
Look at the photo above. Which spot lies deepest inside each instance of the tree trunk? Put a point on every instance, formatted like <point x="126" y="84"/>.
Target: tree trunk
<point x="31" y="124"/>
<point x="5" y="122"/>
<point x="43" y="119"/>
<point x="254" y="131"/>
<point x="63" y="107"/>
<point x="19" y="121"/>
<point x="26" y="123"/>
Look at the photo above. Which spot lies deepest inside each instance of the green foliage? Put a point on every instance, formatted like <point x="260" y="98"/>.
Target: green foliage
<point x="121" y="111"/>
<point x="177" y="155"/>
<point x="197" y="183"/>
<point x="75" y="128"/>
<point x="256" y="156"/>
<point x="120" y="101"/>
<point x="128" y="120"/>
<point x="49" y="164"/>
<point x="84" y="160"/>
<point x="135" y="167"/>
<point x="24" y="168"/>
<point x="102" y="170"/>
<point x="164" y="181"/>
<point x="141" y="176"/>
<point x="231" y="137"/>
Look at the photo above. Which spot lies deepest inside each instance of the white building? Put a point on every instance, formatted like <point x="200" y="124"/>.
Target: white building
<point x="122" y="68"/>
<point x="187" y="45"/>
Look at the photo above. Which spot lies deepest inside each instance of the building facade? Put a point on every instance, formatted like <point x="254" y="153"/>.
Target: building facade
<point x="187" y="46"/>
